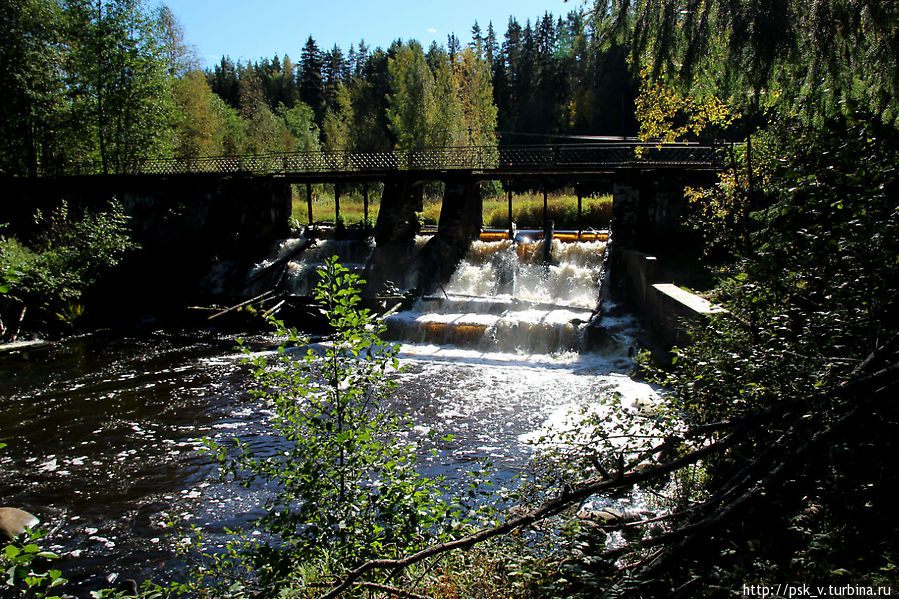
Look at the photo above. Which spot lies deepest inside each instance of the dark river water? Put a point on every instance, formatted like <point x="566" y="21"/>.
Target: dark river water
<point x="103" y="434"/>
<point x="104" y="431"/>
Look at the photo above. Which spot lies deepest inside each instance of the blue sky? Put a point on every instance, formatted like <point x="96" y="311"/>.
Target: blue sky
<point x="263" y="28"/>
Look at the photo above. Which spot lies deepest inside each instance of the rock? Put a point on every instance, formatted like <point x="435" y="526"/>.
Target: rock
<point x="128" y="588"/>
<point x="14" y="521"/>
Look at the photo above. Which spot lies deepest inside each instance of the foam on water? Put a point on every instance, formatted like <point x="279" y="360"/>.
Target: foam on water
<point x="503" y="298"/>
<point x="299" y="273"/>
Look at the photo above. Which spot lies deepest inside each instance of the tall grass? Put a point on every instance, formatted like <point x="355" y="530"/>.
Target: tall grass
<point x="352" y="206"/>
<point x="527" y="209"/>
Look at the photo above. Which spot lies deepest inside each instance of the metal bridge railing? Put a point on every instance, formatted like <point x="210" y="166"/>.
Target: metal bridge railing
<point x="482" y="158"/>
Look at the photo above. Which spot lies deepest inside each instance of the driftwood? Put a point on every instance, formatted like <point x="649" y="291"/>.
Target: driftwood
<point x="274" y="309"/>
<point x="260" y="297"/>
<point x="804" y="433"/>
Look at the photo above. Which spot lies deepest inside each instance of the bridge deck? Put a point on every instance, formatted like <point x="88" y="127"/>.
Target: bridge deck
<point x="488" y="162"/>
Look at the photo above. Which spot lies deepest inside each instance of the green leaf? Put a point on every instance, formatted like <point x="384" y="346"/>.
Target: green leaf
<point x="11" y="551"/>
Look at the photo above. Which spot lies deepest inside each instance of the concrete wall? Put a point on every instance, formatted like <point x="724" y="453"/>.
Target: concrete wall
<point x="183" y="224"/>
<point x="667" y="309"/>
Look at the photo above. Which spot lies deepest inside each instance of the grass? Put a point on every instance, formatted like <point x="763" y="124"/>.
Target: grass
<point x="527" y="209"/>
<point x="352" y="206"/>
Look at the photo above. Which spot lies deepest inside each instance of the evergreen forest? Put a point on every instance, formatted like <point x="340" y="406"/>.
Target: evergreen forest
<point x="98" y="86"/>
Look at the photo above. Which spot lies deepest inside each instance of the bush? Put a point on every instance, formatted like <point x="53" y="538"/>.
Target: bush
<point x="68" y="257"/>
<point x="347" y="489"/>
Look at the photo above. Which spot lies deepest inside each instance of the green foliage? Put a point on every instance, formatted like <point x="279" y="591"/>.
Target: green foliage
<point x="440" y="99"/>
<point x="811" y="59"/>
<point x="812" y="299"/>
<point x="119" y="83"/>
<point x="68" y="257"/>
<point x="198" y="127"/>
<point x="30" y="52"/>
<point x="346" y="479"/>
<point x="818" y="294"/>
<point x="300" y="121"/>
<point x="412" y="109"/>
<point x="26" y="569"/>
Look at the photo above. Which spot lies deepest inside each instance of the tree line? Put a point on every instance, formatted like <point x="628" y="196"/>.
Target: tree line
<point x="98" y="85"/>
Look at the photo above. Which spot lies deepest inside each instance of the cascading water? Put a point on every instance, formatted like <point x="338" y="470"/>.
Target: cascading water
<point x="133" y="410"/>
<point x="293" y="264"/>
<point x="503" y="297"/>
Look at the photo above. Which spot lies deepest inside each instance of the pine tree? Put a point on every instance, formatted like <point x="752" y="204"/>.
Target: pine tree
<point x="223" y="81"/>
<point x="288" y="94"/>
<point x="491" y="48"/>
<point x="312" y="91"/>
<point x="334" y="74"/>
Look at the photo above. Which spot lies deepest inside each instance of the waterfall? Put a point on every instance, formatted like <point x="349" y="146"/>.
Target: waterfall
<point x="294" y="267"/>
<point x="502" y="297"/>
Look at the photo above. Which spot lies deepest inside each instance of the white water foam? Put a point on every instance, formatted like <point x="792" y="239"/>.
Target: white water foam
<point x="503" y="298"/>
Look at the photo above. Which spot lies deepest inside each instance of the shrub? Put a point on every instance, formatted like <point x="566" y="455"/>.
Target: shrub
<point x="347" y="489"/>
<point x="67" y="257"/>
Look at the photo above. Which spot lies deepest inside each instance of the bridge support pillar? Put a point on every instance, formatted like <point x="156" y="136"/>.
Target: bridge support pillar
<point x="626" y="214"/>
<point x="460" y="224"/>
<point x="395" y="235"/>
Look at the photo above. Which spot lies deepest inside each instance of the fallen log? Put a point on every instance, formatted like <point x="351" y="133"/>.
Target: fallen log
<point x="259" y="297"/>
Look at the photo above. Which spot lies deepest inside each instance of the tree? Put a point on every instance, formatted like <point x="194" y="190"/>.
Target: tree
<point x="117" y="75"/>
<point x="346" y="484"/>
<point x="232" y="131"/>
<point x="446" y="125"/>
<point x="831" y="57"/>
<point x="312" y="90"/>
<point x="223" y="81"/>
<point x="411" y="100"/>
<point x="300" y="122"/>
<point x="266" y="133"/>
<point x="31" y="49"/>
<point x="288" y="94"/>
<point x="479" y="113"/>
<point x="197" y="128"/>
<point x="180" y="57"/>
<point x="338" y="132"/>
<point x="491" y="48"/>
<point x="334" y="74"/>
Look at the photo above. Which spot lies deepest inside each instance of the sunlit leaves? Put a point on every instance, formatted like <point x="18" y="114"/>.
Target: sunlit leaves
<point x="345" y="479"/>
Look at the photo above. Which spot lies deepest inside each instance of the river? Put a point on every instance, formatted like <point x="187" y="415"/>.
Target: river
<point x="104" y="429"/>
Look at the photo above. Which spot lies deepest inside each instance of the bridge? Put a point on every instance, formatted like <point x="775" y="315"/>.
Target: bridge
<point x="484" y="162"/>
<point x="186" y="212"/>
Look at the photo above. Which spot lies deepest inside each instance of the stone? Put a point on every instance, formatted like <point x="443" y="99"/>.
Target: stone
<point x="14" y="521"/>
